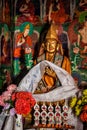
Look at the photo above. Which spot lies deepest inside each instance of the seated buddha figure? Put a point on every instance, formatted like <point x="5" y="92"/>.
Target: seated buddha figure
<point x="51" y="50"/>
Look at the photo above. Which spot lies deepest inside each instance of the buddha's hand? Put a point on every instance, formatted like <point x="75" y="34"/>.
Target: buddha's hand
<point x="50" y="72"/>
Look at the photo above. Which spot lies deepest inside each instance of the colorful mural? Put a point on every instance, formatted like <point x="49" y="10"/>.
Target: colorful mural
<point x="78" y="49"/>
<point x="5" y="53"/>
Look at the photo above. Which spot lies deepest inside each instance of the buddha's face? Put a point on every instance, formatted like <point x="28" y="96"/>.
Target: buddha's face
<point x="51" y="45"/>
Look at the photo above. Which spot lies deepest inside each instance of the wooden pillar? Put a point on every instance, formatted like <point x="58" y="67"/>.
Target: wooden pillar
<point x="42" y="9"/>
<point x="45" y="8"/>
<point x="72" y="8"/>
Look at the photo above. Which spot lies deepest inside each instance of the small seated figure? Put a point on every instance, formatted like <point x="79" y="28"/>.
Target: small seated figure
<point x="57" y="12"/>
<point x="52" y="51"/>
<point x="26" y="12"/>
<point x="48" y="82"/>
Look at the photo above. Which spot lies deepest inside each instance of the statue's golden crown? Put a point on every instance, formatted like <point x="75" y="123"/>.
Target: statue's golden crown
<point x="52" y="34"/>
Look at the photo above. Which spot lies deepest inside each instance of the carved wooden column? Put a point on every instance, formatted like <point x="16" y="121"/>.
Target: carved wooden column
<point x="42" y="8"/>
<point x="72" y="8"/>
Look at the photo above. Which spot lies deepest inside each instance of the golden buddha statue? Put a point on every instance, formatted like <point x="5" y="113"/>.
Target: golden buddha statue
<point x="52" y="52"/>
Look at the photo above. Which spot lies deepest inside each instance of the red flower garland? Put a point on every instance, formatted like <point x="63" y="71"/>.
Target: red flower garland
<point x="24" y="101"/>
<point x="22" y="106"/>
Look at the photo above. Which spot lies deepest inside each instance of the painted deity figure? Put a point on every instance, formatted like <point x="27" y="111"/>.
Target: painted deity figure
<point x="5" y="45"/>
<point x="6" y="12"/>
<point x="52" y="51"/>
<point x="82" y="42"/>
<point x="23" y="47"/>
<point x="26" y="12"/>
<point x="6" y="51"/>
<point x="57" y="12"/>
<point x="79" y="54"/>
